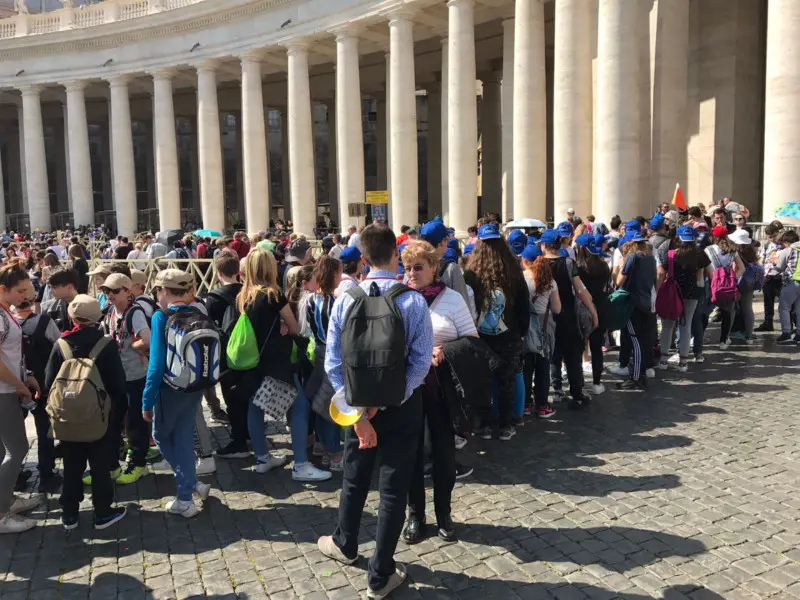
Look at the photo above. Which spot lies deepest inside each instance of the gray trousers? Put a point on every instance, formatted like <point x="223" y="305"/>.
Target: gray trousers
<point x="13" y="447"/>
<point x="684" y="328"/>
<point x="790" y="296"/>
<point x="746" y="308"/>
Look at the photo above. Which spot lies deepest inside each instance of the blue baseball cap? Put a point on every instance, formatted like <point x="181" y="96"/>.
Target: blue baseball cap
<point x="534" y="238"/>
<point x="517" y="240"/>
<point x="433" y="232"/>
<point x="687" y="233"/>
<point x="592" y="248"/>
<point x="400" y="268"/>
<point x="531" y="252"/>
<point x="452" y="243"/>
<point x="565" y="229"/>
<point x="451" y="231"/>
<point x="450" y="255"/>
<point x="562" y="252"/>
<point x="489" y="232"/>
<point x="584" y="239"/>
<point x="549" y="236"/>
<point x="468" y="249"/>
<point x="632" y="236"/>
<point x="657" y="222"/>
<point x="352" y="253"/>
<point x="633" y="225"/>
<point x="600" y="239"/>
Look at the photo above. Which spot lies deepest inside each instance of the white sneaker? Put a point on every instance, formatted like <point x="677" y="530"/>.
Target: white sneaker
<point x="12" y="523"/>
<point x="184" y="508"/>
<point x="725" y="345"/>
<point x="618" y="370"/>
<point x="587" y="366"/>
<point x="598" y="388"/>
<point x="749" y="342"/>
<point x="663" y="365"/>
<point x="699" y="358"/>
<point x="684" y="366"/>
<point x="308" y="472"/>
<point x="674" y="359"/>
<point x="23" y="505"/>
<point x="205" y="466"/>
<point x="559" y="396"/>
<point x="460" y="442"/>
<point x="161" y="466"/>
<point x="269" y="462"/>
<point x="650" y="373"/>
<point x="202" y="490"/>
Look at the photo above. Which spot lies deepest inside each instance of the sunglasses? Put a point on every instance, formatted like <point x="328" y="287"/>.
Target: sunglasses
<point x="109" y="291"/>
<point x="416" y="268"/>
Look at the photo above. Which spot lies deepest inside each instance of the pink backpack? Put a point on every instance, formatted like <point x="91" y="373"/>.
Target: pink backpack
<point x="669" y="302"/>
<point x="724" y="288"/>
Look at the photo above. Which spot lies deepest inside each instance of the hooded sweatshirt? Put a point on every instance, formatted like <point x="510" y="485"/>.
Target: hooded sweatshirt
<point x="787" y="262"/>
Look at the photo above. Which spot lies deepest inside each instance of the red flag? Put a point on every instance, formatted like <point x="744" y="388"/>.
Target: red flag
<point x="677" y="198"/>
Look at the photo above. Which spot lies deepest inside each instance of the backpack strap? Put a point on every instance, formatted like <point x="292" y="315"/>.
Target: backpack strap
<point x="66" y="349"/>
<point x="98" y="347"/>
<point x="671" y="263"/>
<point x="395" y="291"/>
<point x="356" y="293"/>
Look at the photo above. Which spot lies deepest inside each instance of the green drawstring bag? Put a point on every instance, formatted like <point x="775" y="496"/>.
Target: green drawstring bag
<point x="242" y="351"/>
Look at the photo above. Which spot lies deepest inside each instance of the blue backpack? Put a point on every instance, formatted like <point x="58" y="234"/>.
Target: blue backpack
<point x="491" y="321"/>
<point x="752" y="278"/>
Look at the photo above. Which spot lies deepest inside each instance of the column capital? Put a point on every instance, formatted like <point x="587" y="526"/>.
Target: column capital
<point x="298" y="46"/>
<point x="400" y="15"/>
<point x="76" y="85"/>
<point x="164" y="74"/>
<point x="30" y="90"/>
<point x="208" y="65"/>
<point x="346" y="32"/>
<point x="465" y="3"/>
<point x="118" y="80"/>
<point x="256" y="55"/>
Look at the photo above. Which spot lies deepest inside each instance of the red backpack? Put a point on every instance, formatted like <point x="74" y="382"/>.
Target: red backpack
<point x="669" y="302"/>
<point x="724" y="287"/>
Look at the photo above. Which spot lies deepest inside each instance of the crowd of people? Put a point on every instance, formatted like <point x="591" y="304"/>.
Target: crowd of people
<point x="388" y="349"/>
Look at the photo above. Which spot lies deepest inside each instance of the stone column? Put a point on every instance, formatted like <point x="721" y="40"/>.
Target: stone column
<point x="444" y="158"/>
<point x="572" y="108"/>
<point x="301" y="142"/>
<point x="434" y="150"/>
<point x="462" y="116"/>
<point x="508" y="121"/>
<point x="492" y="154"/>
<point x="403" y="203"/>
<point x="388" y="131"/>
<point x="617" y="110"/>
<point x="381" y="140"/>
<point x="35" y="159"/>
<point x="65" y="115"/>
<point x="168" y="185"/>
<point x="122" y="157"/>
<point x="15" y="184"/>
<point x="23" y="170"/>
<point x="349" y="131"/>
<point x="80" y="166"/>
<point x="254" y="146"/>
<point x="286" y="187"/>
<point x="209" y="148"/>
<point x="530" y="111"/>
<point x="782" y="122"/>
<point x="333" y="162"/>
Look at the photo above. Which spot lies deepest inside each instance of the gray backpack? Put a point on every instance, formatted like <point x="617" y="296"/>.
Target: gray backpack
<point x="373" y="343"/>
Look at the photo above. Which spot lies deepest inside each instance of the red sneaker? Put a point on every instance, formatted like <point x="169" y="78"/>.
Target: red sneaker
<point x="546" y="412"/>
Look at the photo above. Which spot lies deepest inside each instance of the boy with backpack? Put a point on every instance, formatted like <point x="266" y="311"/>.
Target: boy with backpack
<point x="221" y="305"/>
<point x="184" y="360"/>
<point x="387" y="433"/>
<point x="788" y="263"/>
<point x="127" y="325"/>
<point x="39" y="333"/>
<point x="64" y="284"/>
<point x="85" y="385"/>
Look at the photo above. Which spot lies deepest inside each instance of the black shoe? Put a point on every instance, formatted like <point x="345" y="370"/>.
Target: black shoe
<point x="463" y="471"/>
<point x="220" y="416"/>
<point x="784" y="339"/>
<point x="105" y="522"/>
<point x="447" y="530"/>
<point x="49" y="483"/>
<point x="427" y="469"/>
<point x="630" y="384"/>
<point x="414" y="532"/>
<point x="580" y="403"/>
<point x="233" y="450"/>
<point x="22" y="480"/>
<point x="765" y="326"/>
<point x="69" y="522"/>
<point x="517" y="421"/>
<point x="796" y="338"/>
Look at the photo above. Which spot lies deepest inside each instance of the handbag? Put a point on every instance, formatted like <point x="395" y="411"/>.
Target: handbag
<point x="274" y="397"/>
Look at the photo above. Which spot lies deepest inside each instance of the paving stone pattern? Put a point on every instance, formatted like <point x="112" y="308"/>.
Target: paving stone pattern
<point x="687" y="491"/>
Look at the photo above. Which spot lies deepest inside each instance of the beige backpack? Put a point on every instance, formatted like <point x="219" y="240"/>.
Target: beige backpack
<point x="78" y="404"/>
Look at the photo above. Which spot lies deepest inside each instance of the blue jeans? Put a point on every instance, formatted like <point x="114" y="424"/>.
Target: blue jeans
<point x="329" y="434"/>
<point x="301" y="412"/>
<point x="173" y="431"/>
<point x="257" y="429"/>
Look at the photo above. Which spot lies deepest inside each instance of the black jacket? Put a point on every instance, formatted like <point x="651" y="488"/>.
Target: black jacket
<point x="218" y="300"/>
<point x="465" y="378"/>
<point x="108" y="363"/>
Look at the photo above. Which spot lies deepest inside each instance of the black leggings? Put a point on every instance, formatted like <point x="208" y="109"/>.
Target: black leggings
<point x="569" y="350"/>
<point x="537" y="379"/>
<point x="596" y="350"/>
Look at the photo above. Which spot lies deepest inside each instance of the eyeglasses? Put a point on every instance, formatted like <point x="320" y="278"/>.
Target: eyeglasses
<point x="416" y="268"/>
<point x="109" y="291"/>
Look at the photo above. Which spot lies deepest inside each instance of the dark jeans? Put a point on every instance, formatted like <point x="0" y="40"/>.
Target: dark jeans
<point x="399" y="430"/>
<point x="699" y="324"/>
<point x="728" y="315"/>
<point x="45" y="444"/>
<point x="636" y="343"/>
<point x="569" y="350"/>
<point x="237" y="413"/>
<point x="138" y="429"/>
<point x="596" y="351"/>
<point x="772" y="291"/>
<point x="508" y="347"/>
<point x="443" y="455"/>
<point x="75" y="456"/>
<point x="537" y="379"/>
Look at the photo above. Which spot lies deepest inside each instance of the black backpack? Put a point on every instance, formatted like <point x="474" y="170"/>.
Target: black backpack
<point x="373" y="343"/>
<point x="37" y="347"/>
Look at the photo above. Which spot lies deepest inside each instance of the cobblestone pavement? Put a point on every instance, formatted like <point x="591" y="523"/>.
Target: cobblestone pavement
<point x="688" y="491"/>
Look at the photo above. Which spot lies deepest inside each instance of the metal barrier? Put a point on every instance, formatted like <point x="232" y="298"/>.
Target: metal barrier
<point x="203" y="270"/>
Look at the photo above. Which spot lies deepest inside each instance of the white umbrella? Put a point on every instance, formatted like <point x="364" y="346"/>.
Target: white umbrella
<point x="525" y="224"/>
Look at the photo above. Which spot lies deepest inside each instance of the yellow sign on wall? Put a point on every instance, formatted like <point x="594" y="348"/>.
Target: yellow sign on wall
<point x="378" y="197"/>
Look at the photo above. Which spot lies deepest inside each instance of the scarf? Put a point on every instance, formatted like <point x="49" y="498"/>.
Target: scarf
<point x="431" y="292"/>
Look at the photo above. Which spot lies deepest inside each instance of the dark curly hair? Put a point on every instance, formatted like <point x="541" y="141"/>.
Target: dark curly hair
<point x="493" y="266"/>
